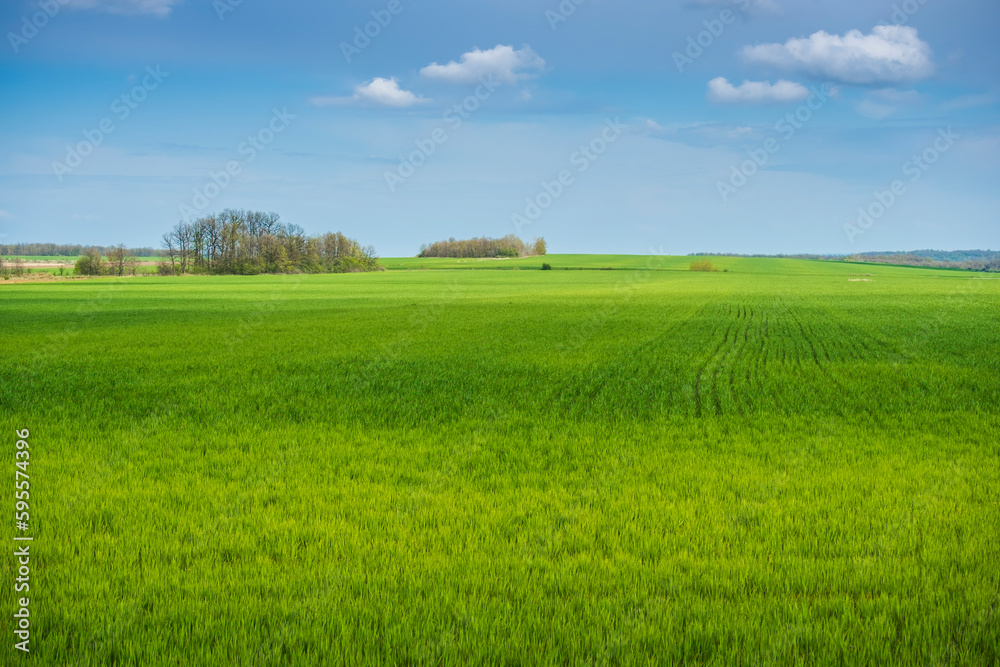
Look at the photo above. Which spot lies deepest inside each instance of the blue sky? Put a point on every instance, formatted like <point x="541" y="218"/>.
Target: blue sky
<point x="629" y="126"/>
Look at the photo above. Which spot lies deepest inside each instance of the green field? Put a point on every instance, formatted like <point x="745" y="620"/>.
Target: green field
<point x="781" y="464"/>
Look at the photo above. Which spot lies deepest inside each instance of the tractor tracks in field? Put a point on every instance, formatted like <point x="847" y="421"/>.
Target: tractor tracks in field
<point x="811" y="343"/>
<point x="719" y="369"/>
<point x="735" y="375"/>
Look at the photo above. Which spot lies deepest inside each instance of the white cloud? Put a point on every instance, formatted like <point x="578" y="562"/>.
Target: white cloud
<point x="382" y="92"/>
<point x="501" y="62"/>
<point x="4" y="214"/>
<point x="160" y="8"/>
<point x="756" y="92"/>
<point x="890" y="54"/>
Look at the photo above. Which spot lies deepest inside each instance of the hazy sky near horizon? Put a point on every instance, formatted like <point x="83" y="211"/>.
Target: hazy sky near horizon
<point x="625" y="126"/>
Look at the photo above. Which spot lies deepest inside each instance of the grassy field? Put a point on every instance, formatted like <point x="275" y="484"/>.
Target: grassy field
<point x="783" y="464"/>
<point x="557" y="262"/>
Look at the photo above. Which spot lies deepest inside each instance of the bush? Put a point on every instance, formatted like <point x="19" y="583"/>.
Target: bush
<point x="90" y="263"/>
<point x="546" y="267"/>
<point x="703" y="265"/>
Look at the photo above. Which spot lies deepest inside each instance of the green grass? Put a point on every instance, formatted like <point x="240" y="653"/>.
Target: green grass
<point x="770" y="466"/>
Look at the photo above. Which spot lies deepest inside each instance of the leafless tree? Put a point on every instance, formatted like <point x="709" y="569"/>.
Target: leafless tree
<point x="170" y="245"/>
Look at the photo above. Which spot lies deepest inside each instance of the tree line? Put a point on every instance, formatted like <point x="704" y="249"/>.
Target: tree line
<point x="968" y="260"/>
<point x="117" y="261"/>
<point x="483" y="247"/>
<point x="253" y="242"/>
<point x="66" y="250"/>
<point x="989" y="263"/>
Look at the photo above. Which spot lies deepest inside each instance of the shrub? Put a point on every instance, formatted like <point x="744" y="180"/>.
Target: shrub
<point x="703" y="265"/>
<point x="546" y="267"/>
<point x="90" y="263"/>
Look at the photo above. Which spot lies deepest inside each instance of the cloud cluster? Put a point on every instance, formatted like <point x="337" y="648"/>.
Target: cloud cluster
<point x="890" y="54"/>
<point x="159" y="8"/>
<point x="503" y="63"/>
<point x="378" y="91"/>
<point x="756" y="92"/>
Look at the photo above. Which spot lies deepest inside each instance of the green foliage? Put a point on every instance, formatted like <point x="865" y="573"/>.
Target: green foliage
<point x="539" y="248"/>
<point x="90" y="263"/>
<point x="509" y="246"/>
<point x="637" y="466"/>
<point x="237" y="242"/>
<point x="703" y="265"/>
<point x="546" y="266"/>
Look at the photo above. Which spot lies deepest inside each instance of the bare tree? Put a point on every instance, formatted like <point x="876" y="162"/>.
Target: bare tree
<point x="117" y="260"/>
<point x="170" y="246"/>
<point x="183" y="239"/>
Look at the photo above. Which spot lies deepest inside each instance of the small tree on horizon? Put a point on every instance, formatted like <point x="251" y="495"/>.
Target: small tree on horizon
<point x="120" y="263"/>
<point x="90" y="263"/>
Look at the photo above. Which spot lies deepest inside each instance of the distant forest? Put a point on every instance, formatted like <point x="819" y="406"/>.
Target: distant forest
<point x="71" y="250"/>
<point x="508" y="246"/>
<point x="969" y="260"/>
<point x="253" y="242"/>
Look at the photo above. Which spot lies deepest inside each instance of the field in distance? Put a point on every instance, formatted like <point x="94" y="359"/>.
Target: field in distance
<point x="779" y="464"/>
